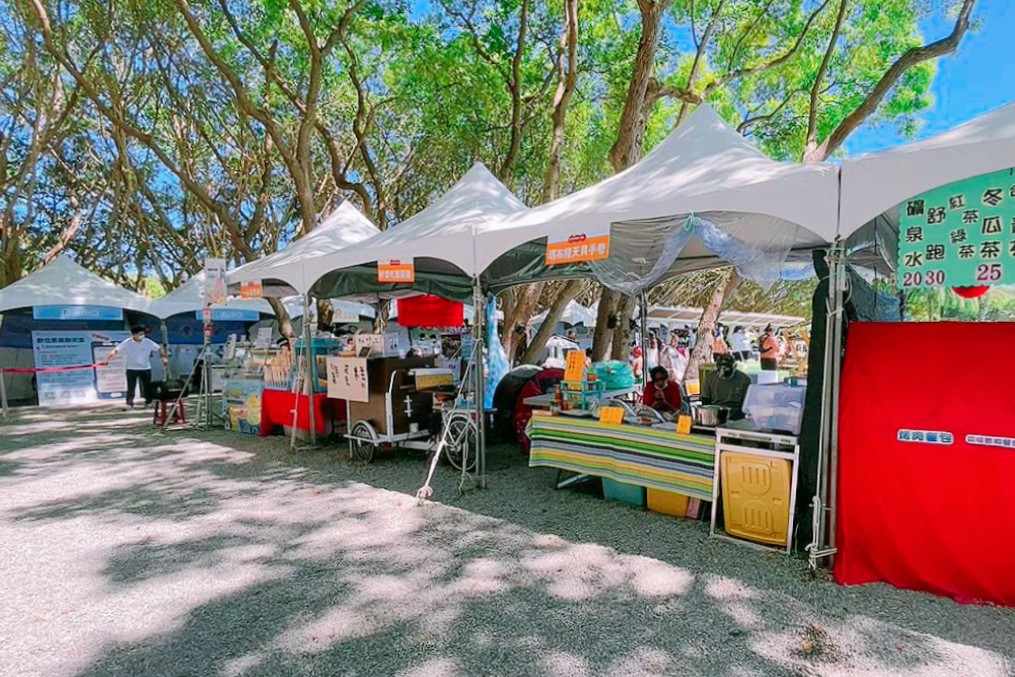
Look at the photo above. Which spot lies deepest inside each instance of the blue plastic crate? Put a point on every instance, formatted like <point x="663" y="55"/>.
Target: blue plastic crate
<point x="631" y="494"/>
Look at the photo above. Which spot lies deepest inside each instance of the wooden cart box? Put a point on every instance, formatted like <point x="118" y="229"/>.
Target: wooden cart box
<point x="379" y="371"/>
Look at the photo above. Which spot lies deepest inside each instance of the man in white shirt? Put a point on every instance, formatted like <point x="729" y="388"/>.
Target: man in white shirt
<point x="138" y="350"/>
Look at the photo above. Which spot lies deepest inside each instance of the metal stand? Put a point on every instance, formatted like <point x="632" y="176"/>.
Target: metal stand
<point x="311" y="371"/>
<point x="203" y="416"/>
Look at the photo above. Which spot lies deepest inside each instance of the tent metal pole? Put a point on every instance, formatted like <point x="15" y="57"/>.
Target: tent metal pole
<point x="308" y="354"/>
<point x="3" y="394"/>
<point x="479" y="316"/>
<point x="822" y="506"/>
<point x="644" y="342"/>
<point x="833" y="454"/>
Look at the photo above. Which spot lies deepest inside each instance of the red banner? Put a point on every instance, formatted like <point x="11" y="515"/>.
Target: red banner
<point x="927" y="459"/>
<point x="430" y="311"/>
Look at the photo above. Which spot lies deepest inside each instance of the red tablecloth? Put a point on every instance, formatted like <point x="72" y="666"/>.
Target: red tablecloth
<point x="277" y="410"/>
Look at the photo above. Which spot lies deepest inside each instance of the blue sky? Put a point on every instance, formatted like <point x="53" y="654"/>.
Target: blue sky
<point x="970" y="82"/>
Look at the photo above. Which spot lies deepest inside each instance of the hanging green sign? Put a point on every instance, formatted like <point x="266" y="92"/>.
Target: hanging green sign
<point x="959" y="235"/>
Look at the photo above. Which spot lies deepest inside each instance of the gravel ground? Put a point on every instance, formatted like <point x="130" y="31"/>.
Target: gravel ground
<point x="129" y="552"/>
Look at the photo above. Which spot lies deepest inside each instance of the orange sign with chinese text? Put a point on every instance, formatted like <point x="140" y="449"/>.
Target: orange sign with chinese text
<point x="578" y="248"/>
<point x="396" y="272"/>
<point x="251" y="289"/>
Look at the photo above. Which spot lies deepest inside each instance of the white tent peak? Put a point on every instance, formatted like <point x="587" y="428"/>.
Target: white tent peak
<point x="63" y="282"/>
<point x="282" y="273"/>
<point x="444" y="230"/>
<point x="876" y="183"/>
<point x="189" y="298"/>
<point x="702" y="166"/>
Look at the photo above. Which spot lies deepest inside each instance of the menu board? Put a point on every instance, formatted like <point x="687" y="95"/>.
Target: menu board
<point x="111" y="379"/>
<point x="347" y="379"/>
<point x="959" y="235"/>
<point x="241" y="405"/>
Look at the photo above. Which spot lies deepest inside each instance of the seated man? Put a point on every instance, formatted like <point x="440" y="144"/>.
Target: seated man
<point x="662" y="394"/>
<point x="727" y="388"/>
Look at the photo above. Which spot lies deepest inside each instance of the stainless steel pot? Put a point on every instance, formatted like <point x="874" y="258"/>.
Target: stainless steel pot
<point x="711" y="415"/>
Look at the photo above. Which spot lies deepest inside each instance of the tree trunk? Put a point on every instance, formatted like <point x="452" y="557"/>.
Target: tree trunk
<point x="381" y="318"/>
<point x="706" y="326"/>
<point x="519" y="314"/>
<point x="602" y="338"/>
<point x="553" y="315"/>
<point x="622" y="334"/>
<point x="627" y="148"/>
<point x="285" y="325"/>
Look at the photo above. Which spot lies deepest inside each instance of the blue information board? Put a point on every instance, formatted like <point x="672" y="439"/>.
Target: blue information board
<point x="77" y="313"/>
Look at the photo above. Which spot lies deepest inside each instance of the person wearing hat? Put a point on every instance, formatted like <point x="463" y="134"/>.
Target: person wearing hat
<point x="728" y="388"/>
<point x="768" y="346"/>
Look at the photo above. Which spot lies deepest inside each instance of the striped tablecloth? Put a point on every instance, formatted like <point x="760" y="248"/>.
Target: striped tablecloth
<point x="626" y="453"/>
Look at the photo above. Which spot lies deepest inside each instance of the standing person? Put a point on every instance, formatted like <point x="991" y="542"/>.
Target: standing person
<point x="637" y="362"/>
<point x="740" y="344"/>
<point x="652" y="354"/>
<point x="719" y="346"/>
<point x="768" y="346"/>
<point x="674" y="358"/>
<point x="138" y="350"/>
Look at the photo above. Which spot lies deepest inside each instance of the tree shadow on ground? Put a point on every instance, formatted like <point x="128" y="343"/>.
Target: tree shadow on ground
<point x="343" y="578"/>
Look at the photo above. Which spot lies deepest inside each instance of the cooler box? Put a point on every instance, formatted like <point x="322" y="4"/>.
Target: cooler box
<point x="755" y="497"/>
<point x="667" y="502"/>
<point x="776" y="407"/>
<point x="623" y="492"/>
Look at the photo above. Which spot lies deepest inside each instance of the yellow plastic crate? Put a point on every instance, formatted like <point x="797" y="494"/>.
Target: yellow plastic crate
<point x="667" y="502"/>
<point x="755" y="497"/>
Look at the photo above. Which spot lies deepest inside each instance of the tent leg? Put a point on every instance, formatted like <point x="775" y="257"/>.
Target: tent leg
<point x="823" y="543"/>
<point x="311" y="381"/>
<point x="643" y="302"/>
<point x="479" y="315"/>
<point x="3" y="394"/>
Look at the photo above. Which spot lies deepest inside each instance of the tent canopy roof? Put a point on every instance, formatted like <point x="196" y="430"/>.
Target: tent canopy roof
<point x="876" y="183"/>
<point x="440" y="239"/>
<point x="574" y="313"/>
<point x="702" y="166"/>
<point x="189" y="297"/>
<point x="64" y="282"/>
<point x="283" y="273"/>
<point x="730" y="318"/>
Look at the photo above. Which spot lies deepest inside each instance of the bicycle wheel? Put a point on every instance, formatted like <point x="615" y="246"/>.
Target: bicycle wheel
<point x="461" y="443"/>
<point x="361" y="450"/>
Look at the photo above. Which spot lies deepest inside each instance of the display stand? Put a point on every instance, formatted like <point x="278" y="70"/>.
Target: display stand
<point x="757" y="444"/>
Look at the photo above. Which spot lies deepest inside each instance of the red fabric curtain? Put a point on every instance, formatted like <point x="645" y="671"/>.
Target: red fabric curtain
<point x="430" y="311"/>
<point x="915" y="510"/>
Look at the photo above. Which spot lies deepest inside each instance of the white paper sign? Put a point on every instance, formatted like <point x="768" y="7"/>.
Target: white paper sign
<point x="347" y="379"/>
<point x="111" y="379"/>
<point x="373" y="341"/>
<point x="263" y="339"/>
<point x="215" y="282"/>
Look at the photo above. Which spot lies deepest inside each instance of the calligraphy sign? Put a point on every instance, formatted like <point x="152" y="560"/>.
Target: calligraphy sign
<point x="347" y="379"/>
<point x="959" y="235"/>
<point x="574" y="367"/>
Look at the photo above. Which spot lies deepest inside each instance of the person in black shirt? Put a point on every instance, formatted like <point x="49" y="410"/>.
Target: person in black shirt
<point x="727" y="388"/>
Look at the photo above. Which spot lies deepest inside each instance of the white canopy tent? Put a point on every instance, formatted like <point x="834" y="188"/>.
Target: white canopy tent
<point x="703" y="169"/>
<point x="440" y="239"/>
<point x="873" y="185"/>
<point x="284" y="272"/>
<point x="65" y="283"/>
<point x="189" y="298"/>
<point x="691" y="316"/>
<point x="574" y="313"/>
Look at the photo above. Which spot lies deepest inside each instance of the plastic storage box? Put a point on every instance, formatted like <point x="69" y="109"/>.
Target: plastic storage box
<point x="777" y="407"/>
<point x="623" y="492"/>
<point x="667" y="502"/>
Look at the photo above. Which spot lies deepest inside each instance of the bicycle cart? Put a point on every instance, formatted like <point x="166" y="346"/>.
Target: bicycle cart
<point x="400" y="413"/>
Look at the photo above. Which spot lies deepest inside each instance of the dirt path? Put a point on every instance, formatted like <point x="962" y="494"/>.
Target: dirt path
<point x="127" y="552"/>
